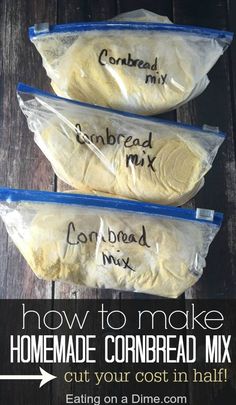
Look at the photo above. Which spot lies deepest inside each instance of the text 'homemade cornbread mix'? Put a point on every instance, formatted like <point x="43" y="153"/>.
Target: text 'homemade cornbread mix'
<point x="138" y="62"/>
<point x="109" y="243"/>
<point x="97" y="150"/>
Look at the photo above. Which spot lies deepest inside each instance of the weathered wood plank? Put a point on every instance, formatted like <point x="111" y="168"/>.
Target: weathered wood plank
<point x="214" y="107"/>
<point x="22" y="164"/>
<point x="68" y="12"/>
<point x="101" y="9"/>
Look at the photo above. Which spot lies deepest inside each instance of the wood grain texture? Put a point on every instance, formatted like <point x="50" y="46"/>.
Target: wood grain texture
<point x="22" y="164"/>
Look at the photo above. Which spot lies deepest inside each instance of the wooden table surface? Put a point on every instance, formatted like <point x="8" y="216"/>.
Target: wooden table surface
<point x="22" y="164"/>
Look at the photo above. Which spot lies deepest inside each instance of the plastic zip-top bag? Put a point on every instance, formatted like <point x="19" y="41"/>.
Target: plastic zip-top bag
<point x="97" y="150"/>
<point x="109" y="243"/>
<point x="146" y="66"/>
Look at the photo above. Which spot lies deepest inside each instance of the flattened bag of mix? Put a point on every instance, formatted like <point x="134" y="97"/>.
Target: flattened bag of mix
<point x="97" y="150"/>
<point x="109" y="243"/>
<point x="138" y="62"/>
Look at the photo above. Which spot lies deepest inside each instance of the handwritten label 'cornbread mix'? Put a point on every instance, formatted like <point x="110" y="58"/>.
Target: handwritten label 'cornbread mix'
<point x="105" y="58"/>
<point x="98" y="151"/>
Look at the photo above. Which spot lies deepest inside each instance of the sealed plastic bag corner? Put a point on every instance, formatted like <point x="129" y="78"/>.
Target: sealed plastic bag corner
<point x="109" y="243"/>
<point x="138" y="62"/>
<point x="123" y="154"/>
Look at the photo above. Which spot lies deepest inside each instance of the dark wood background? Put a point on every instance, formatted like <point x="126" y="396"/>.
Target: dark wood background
<point x="23" y="165"/>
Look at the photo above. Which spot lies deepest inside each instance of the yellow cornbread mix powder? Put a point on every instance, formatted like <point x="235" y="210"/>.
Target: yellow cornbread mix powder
<point x="138" y="62"/>
<point x="109" y="243"/>
<point x="96" y="150"/>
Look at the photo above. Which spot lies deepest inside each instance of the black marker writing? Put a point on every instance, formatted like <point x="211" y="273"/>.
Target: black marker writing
<point x="136" y="160"/>
<point x="121" y="262"/>
<point x="107" y="138"/>
<point x="76" y="237"/>
<point x="156" y="80"/>
<point x="105" y="58"/>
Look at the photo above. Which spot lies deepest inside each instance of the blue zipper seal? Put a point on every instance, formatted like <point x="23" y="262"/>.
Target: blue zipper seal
<point x="24" y="88"/>
<point x="134" y="26"/>
<point x="17" y="195"/>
